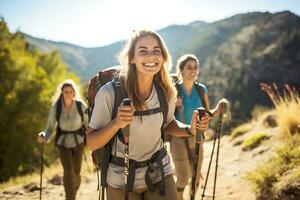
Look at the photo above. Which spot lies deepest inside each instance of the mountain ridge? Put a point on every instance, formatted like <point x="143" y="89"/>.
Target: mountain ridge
<point x="235" y="54"/>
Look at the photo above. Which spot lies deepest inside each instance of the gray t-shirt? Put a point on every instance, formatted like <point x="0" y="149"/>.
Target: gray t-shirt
<point x="145" y="136"/>
<point x="68" y="122"/>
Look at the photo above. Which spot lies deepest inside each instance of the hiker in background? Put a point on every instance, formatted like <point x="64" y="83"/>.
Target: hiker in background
<point x="145" y="60"/>
<point x="191" y="95"/>
<point x="68" y="113"/>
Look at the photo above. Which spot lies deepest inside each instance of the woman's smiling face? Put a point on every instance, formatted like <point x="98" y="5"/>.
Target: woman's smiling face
<point x="68" y="92"/>
<point x="190" y="70"/>
<point x="148" y="56"/>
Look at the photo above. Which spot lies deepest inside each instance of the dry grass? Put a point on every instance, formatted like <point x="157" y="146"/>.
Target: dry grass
<point x="288" y="117"/>
<point x="241" y="130"/>
<point x="279" y="177"/>
<point x="263" y="121"/>
<point x="49" y="172"/>
<point x="54" y="169"/>
<point x="287" y="108"/>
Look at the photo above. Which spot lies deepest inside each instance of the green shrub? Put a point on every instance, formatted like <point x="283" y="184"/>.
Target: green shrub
<point x="285" y="163"/>
<point x="28" y="79"/>
<point x="254" y="141"/>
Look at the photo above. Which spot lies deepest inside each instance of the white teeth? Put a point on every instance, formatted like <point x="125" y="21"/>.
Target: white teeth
<point x="150" y="64"/>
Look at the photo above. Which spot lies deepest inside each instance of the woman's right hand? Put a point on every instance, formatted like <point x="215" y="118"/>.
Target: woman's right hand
<point x="41" y="137"/>
<point x="200" y="124"/>
<point x="124" y="116"/>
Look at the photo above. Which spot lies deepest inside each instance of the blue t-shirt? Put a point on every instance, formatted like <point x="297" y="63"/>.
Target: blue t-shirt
<point x="190" y="103"/>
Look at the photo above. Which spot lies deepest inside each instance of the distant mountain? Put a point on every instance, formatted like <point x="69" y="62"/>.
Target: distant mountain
<point x="83" y="61"/>
<point x="235" y="54"/>
<point x="87" y="61"/>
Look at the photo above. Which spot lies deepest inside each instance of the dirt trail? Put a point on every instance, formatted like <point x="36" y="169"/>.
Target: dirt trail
<point x="233" y="163"/>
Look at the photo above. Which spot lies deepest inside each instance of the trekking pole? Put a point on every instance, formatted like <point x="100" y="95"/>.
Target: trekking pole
<point x="199" y="134"/>
<point x="208" y="170"/>
<point x="223" y="105"/>
<point x="41" y="171"/>
<point x="223" y="109"/>
<point x="126" y="102"/>
<point x="42" y="134"/>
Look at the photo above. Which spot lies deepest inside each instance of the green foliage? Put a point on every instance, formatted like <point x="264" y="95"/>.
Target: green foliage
<point x="28" y="79"/>
<point x="254" y="140"/>
<point x="279" y="172"/>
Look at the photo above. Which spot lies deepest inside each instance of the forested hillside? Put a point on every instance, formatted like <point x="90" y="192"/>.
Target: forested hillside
<point x="28" y="79"/>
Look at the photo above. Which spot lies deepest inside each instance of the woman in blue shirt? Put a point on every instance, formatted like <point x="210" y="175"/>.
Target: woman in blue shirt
<point x="191" y="95"/>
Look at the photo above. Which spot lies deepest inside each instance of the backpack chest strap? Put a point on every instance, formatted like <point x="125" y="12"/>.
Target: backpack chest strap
<point x="79" y="131"/>
<point x="155" y="158"/>
<point x="147" y="112"/>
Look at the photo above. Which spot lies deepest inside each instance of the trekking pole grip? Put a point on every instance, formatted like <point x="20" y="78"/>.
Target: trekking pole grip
<point x="224" y="106"/>
<point x="202" y="111"/>
<point x="126" y="102"/>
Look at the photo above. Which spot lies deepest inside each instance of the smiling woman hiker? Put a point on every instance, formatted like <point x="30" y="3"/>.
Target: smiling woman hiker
<point x="145" y="80"/>
<point x="68" y="112"/>
<point x="191" y="95"/>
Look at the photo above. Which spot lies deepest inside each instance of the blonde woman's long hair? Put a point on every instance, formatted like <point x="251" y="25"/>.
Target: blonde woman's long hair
<point x="58" y="93"/>
<point x="128" y="75"/>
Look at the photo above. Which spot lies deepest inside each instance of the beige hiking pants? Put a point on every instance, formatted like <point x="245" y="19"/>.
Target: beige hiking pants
<point x="145" y="194"/>
<point x="184" y="164"/>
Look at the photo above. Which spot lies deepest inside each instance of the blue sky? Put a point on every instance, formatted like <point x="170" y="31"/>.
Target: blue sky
<point x="92" y="23"/>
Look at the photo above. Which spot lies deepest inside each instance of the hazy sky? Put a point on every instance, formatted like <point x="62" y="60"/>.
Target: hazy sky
<point x="92" y="23"/>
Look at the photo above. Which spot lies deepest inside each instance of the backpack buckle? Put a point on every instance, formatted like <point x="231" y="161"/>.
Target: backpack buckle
<point x="151" y="167"/>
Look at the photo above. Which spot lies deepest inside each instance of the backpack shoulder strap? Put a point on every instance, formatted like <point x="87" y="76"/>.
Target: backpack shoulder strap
<point x="178" y="88"/>
<point x="79" y="109"/>
<point x="119" y="93"/>
<point x="200" y="92"/>
<point x="164" y="108"/>
<point x="58" y="109"/>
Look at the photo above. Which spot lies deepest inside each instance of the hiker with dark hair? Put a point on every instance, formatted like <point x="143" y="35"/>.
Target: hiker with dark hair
<point x="145" y="80"/>
<point x="191" y="95"/>
<point x="68" y="113"/>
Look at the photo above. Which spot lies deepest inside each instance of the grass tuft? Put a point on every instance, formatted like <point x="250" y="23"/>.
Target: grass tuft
<point x="287" y="108"/>
<point x="280" y="173"/>
<point x="254" y="141"/>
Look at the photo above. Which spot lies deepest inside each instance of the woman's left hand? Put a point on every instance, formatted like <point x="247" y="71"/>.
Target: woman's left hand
<point x="221" y="106"/>
<point x="200" y="124"/>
